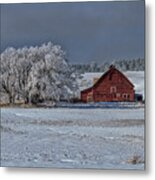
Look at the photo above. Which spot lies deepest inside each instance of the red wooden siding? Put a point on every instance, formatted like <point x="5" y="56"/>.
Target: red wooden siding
<point x="112" y="86"/>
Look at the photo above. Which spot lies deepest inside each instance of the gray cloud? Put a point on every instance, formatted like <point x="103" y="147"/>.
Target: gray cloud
<point x="87" y="31"/>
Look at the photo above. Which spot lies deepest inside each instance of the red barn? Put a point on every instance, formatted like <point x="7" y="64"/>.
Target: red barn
<point x="111" y="86"/>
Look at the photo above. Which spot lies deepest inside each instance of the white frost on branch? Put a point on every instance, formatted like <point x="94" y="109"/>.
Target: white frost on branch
<point x="37" y="74"/>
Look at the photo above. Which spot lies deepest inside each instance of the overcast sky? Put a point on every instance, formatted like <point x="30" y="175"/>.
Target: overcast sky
<point x="94" y="31"/>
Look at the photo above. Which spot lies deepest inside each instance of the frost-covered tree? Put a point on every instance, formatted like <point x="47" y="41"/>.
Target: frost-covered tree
<point x="51" y="77"/>
<point x="37" y="74"/>
<point x="123" y="65"/>
<point x="8" y="74"/>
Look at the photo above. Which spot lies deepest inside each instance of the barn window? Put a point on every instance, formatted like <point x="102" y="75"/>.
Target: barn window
<point x="89" y="98"/>
<point x="118" y="94"/>
<point x="126" y="96"/>
<point x="113" y="89"/>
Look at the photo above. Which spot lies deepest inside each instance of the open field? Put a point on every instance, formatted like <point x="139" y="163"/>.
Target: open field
<point x="72" y="138"/>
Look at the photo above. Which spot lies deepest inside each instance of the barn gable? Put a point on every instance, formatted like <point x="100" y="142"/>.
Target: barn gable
<point x="111" y="86"/>
<point x="112" y="70"/>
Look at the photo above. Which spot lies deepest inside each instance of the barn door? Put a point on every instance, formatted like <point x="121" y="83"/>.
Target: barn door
<point x="113" y="91"/>
<point x="90" y="97"/>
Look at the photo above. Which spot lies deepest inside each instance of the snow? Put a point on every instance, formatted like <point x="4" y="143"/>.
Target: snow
<point x="136" y="77"/>
<point x="60" y="114"/>
<point x="36" y="73"/>
<point x="72" y="138"/>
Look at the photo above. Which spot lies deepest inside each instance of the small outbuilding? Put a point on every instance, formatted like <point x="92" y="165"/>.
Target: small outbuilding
<point x="113" y="85"/>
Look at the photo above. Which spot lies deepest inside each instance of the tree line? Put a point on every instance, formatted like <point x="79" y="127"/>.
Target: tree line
<point x="123" y="65"/>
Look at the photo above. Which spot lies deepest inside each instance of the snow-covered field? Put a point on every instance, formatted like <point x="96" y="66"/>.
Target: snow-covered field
<point x="72" y="138"/>
<point x="136" y="77"/>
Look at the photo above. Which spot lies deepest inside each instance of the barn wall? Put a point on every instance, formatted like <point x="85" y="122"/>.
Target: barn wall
<point x="84" y="95"/>
<point x="114" y="87"/>
<point x="111" y="87"/>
